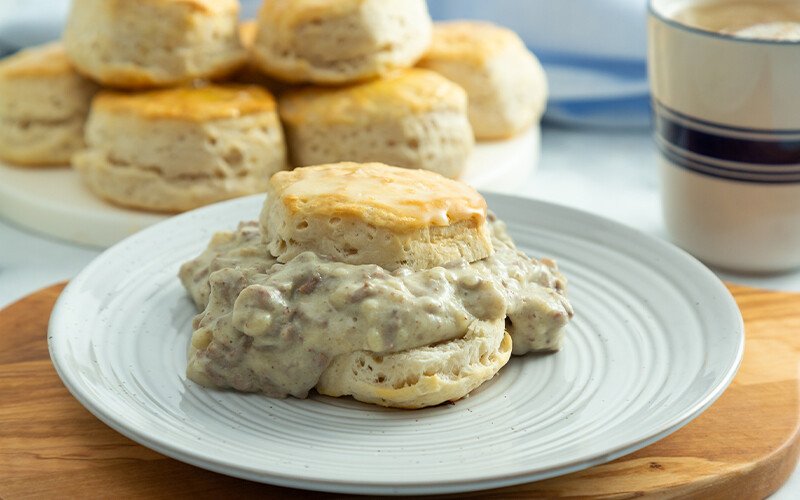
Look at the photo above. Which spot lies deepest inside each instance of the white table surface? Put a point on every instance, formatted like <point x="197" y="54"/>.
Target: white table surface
<point x="609" y="173"/>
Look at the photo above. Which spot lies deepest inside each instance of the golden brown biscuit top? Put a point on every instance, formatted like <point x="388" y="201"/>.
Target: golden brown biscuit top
<point x="206" y="6"/>
<point x="408" y="92"/>
<point x="210" y="102"/>
<point x="381" y="195"/>
<point x="210" y="6"/>
<point x="291" y="13"/>
<point x="470" y="41"/>
<point x="44" y="60"/>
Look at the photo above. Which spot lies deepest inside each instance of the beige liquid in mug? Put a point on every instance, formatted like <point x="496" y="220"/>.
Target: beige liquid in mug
<point x="754" y="19"/>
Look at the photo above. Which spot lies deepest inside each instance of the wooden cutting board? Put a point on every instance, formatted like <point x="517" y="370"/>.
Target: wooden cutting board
<point x="744" y="446"/>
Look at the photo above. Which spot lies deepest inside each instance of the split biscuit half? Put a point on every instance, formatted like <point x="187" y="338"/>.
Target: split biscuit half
<point x="425" y="376"/>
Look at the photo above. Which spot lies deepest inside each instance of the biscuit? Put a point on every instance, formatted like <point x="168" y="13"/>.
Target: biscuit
<point x="177" y="149"/>
<point x="374" y="214"/>
<point x="505" y="83"/>
<point x="43" y="107"/>
<point x="424" y="376"/>
<point x="153" y="43"/>
<point x="412" y="119"/>
<point x="339" y="41"/>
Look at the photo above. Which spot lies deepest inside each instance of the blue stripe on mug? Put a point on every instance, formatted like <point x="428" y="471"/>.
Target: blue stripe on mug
<point x="729" y="165"/>
<point x="776" y="151"/>
<point x="662" y="109"/>
<point x="732" y="174"/>
<point x="746" y="155"/>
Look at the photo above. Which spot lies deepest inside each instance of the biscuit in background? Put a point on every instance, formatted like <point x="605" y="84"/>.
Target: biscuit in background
<point x="374" y="214"/>
<point x="413" y="118"/>
<point x="505" y="83"/>
<point x="339" y="41"/>
<point x="43" y="107"/>
<point x="153" y="43"/>
<point x="177" y="149"/>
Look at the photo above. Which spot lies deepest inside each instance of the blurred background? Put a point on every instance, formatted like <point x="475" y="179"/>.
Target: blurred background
<point x="597" y="75"/>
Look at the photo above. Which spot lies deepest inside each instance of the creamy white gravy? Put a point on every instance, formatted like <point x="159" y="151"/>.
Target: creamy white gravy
<point x="274" y="328"/>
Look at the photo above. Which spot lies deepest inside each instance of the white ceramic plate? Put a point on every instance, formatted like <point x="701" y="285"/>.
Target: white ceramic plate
<point x="53" y="201"/>
<point x="655" y="340"/>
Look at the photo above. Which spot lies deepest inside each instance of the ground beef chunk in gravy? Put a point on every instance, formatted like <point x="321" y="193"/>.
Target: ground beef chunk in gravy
<point x="274" y="328"/>
<point x="240" y="249"/>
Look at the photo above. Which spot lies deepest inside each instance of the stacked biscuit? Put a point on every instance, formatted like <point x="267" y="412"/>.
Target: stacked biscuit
<point x="360" y="100"/>
<point x="474" y="80"/>
<point x="391" y="286"/>
<point x="161" y="137"/>
<point x="172" y="145"/>
<point x="43" y="106"/>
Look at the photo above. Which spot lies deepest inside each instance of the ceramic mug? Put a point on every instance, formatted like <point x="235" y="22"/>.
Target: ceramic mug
<point x="727" y="125"/>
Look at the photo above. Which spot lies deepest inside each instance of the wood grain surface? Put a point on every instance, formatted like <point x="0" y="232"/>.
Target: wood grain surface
<point x="744" y="446"/>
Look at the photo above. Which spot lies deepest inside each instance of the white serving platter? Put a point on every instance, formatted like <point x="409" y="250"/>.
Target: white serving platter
<point x="53" y="201"/>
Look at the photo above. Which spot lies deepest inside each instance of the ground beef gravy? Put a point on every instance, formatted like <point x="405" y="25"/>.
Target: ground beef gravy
<point x="274" y="328"/>
<point x="241" y="249"/>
